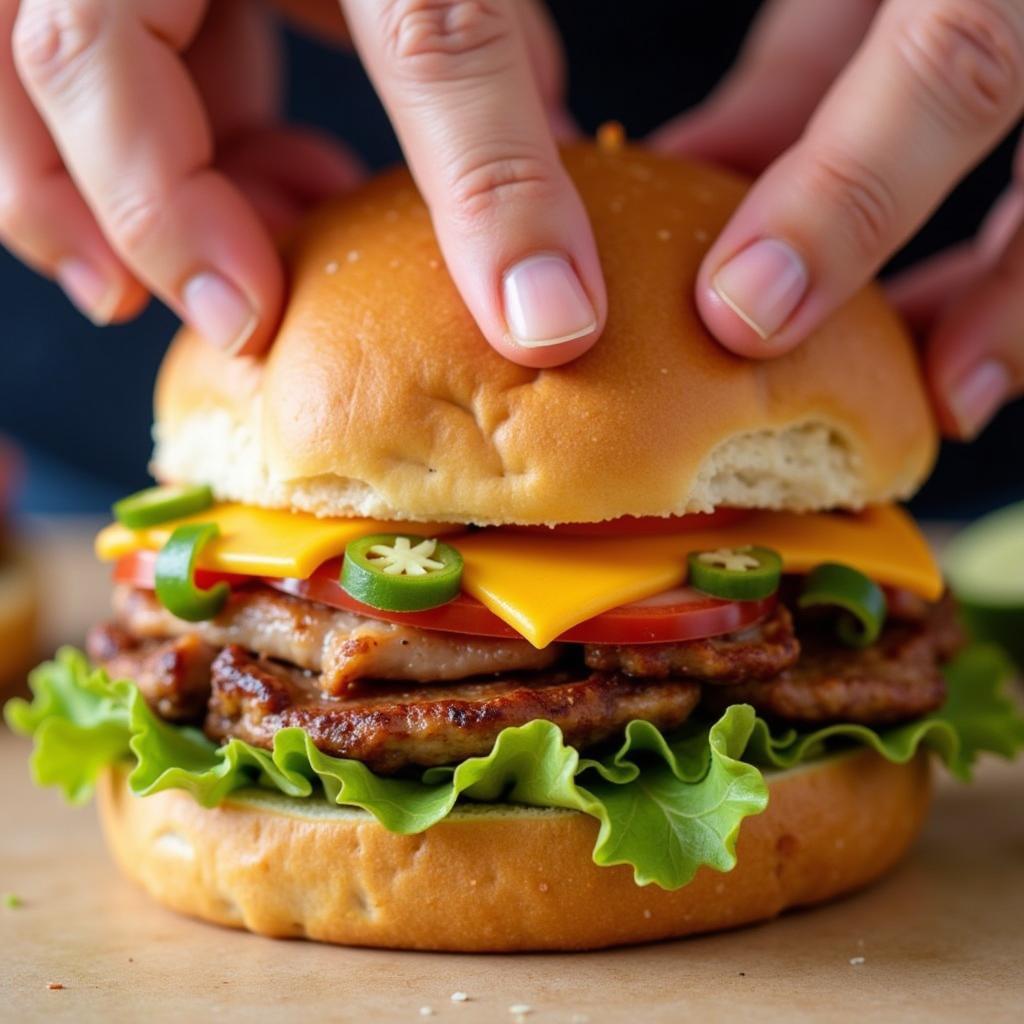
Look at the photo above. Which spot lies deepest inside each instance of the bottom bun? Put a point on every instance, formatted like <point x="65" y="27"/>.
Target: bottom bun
<point x="502" y="878"/>
<point x="18" y="617"/>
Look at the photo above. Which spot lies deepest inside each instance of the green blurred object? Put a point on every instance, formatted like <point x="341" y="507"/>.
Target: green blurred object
<point x="985" y="567"/>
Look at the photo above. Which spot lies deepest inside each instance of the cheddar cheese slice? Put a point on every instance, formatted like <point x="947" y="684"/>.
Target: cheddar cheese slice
<point x="543" y="585"/>
<point x="260" y="541"/>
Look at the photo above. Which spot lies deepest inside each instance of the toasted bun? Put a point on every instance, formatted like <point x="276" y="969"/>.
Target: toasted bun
<point x="18" y="617"/>
<point x="380" y="396"/>
<point x="502" y="878"/>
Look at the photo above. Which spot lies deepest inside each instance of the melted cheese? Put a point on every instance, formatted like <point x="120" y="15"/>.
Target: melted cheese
<point x="542" y="586"/>
<point x="260" y="541"/>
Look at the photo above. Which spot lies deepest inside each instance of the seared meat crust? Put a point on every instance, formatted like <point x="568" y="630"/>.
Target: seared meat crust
<point x="760" y="652"/>
<point x="342" y="646"/>
<point x="894" y="680"/>
<point x="391" y="727"/>
<point x="173" y="675"/>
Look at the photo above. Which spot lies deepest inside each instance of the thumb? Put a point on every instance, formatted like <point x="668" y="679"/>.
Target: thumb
<point x="931" y="90"/>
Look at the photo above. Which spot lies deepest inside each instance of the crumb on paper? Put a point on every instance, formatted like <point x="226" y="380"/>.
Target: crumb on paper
<point x="520" y="1009"/>
<point x="460" y="997"/>
<point x="856" y="961"/>
<point x="426" y="1011"/>
<point x="54" y="986"/>
<point x="12" y="901"/>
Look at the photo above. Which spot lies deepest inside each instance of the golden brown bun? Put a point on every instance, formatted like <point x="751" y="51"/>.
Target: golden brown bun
<point x="380" y="396"/>
<point x="19" y="610"/>
<point x="505" y="878"/>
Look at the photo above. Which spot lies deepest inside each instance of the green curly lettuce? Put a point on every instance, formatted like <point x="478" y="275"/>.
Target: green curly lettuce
<point x="665" y="805"/>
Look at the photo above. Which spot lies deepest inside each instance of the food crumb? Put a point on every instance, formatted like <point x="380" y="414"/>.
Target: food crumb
<point x="647" y="915"/>
<point x="856" y="961"/>
<point x="353" y="255"/>
<point x="701" y="235"/>
<point x="331" y="267"/>
<point x="743" y="974"/>
<point x="520" y="1009"/>
<point x="12" y="901"/>
<point x="426" y="1011"/>
<point x="543" y="887"/>
<point x="664" y="234"/>
<point x="460" y="997"/>
<point x="54" y="986"/>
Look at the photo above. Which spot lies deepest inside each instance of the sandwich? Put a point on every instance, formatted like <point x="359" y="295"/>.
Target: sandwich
<point x="412" y="647"/>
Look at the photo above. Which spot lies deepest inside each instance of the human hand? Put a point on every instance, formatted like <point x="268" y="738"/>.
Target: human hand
<point x="863" y="116"/>
<point x="143" y="151"/>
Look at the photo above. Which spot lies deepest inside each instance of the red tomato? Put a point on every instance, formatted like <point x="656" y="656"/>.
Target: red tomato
<point x="632" y="526"/>
<point x="137" y="569"/>
<point x="679" y="614"/>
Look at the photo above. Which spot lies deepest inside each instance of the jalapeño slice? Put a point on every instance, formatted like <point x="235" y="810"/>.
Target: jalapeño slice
<point x="748" y="573"/>
<point x="174" y="575"/>
<point x="859" y="599"/>
<point x="157" y="505"/>
<point x="398" y="573"/>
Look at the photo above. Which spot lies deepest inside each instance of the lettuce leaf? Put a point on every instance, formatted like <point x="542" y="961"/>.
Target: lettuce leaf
<point x="665" y="805"/>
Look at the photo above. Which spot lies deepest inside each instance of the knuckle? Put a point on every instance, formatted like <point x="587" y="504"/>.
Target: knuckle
<point x="442" y="40"/>
<point x="52" y="36"/>
<point x="967" y="57"/>
<point x="866" y="201"/>
<point x="492" y="178"/>
<point x="132" y="222"/>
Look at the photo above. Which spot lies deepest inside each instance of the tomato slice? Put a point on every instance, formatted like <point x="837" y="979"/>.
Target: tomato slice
<point x="679" y="614"/>
<point x="675" y="615"/>
<point x="635" y="526"/>
<point x="138" y="570"/>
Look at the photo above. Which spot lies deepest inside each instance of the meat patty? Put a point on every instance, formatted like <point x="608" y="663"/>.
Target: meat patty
<point x="342" y="646"/>
<point x="391" y="728"/>
<point x="892" y="681"/>
<point x="759" y="652"/>
<point x="173" y="675"/>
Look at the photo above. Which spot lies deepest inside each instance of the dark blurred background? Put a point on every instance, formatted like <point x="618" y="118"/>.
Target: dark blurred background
<point x="78" y="398"/>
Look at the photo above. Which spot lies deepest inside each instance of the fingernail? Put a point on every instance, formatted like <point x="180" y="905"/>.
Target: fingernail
<point x="545" y="304"/>
<point x="763" y="284"/>
<point x="219" y="311"/>
<point x="91" y="292"/>
<point x="977" y="396"/>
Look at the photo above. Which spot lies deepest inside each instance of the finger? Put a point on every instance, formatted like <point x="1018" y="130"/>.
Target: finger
<point x="466" y="103"/>
<point x="923" y="291"/>
<point x="790" y="58"/>
<point x="931" y="90"/>
<point x="130" y="125"/>
<point x="975" y="357"/>
<point x="43" y="219"/>
<point x="285" y="171"/>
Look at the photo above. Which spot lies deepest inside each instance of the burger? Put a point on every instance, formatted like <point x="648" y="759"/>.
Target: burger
<point x="18" y="603"/>
<point x="416" y="648"/>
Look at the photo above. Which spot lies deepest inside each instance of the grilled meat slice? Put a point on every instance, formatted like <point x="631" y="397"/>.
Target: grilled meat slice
<point x="173" y="674"/>
<point x="342" y="646"/>
<point x="894" y="680"/>
<point x="391" y="727"/>
<point x="759" y="652"/>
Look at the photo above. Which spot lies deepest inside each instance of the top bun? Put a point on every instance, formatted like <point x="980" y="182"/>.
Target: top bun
<point x="380" y="397"/>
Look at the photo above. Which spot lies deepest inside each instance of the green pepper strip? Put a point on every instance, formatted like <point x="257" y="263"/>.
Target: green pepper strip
<point x="398" y="573"/>
<point x="157" y="505"/>
<point x="175" y="575"/>
<point x="832" y="584"/>
<point x="736" y="574"/>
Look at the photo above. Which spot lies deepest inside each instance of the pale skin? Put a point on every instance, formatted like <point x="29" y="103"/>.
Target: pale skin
<point x="143" y="152"/>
